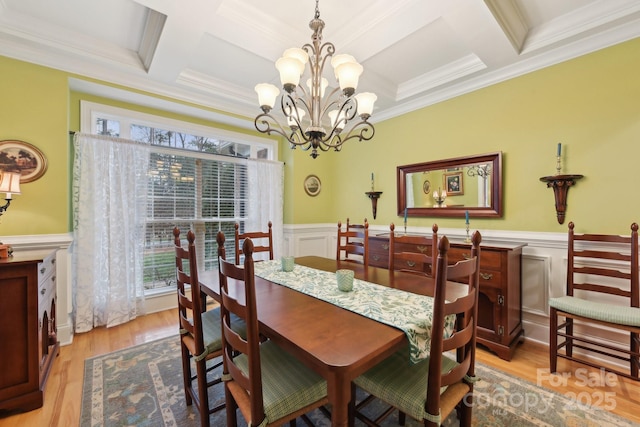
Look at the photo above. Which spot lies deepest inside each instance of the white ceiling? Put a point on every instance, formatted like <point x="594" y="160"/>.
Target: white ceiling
<point x="213" y="52"/>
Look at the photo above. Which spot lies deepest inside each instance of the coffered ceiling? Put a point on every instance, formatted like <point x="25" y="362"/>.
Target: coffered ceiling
<point x="213" y="52"/>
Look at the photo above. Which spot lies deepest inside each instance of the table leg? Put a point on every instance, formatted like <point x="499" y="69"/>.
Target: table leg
<point x="339" y="393"/>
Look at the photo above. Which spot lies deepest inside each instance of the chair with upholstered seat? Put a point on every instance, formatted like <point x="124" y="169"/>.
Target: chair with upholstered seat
<point x="264" y="238"/>
<point x="267" y="384"/>
<point x="200" y="330"/>
<point x="413" y="253"/>
<point x="353" y="243"/>
<point x="432" y="388"/>
<point x="602" y="290"/>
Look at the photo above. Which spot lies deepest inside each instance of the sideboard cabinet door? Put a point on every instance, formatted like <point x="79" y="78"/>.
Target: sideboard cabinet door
<point x="27" y="328"/>
<point x="500" y="299"/>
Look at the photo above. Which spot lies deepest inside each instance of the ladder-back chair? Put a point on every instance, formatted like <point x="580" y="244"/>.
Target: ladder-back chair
<point x="200" y="330"/>
<point x="265" y="239"/>
<point x="267" y="384"/>
<point x="602" y="289"/>
<point x="431" y="389"/>
<point x="353" y="241"/>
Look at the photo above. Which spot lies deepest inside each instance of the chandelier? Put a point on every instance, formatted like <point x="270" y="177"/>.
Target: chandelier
<point x="314" y="121"/>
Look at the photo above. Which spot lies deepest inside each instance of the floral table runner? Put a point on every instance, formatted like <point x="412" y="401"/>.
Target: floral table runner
<point x="411" y="313"/>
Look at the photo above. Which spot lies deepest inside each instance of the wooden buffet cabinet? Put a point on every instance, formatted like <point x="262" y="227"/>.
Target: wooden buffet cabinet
<point x="500" y="299"/>
<point x="27" y="328"/>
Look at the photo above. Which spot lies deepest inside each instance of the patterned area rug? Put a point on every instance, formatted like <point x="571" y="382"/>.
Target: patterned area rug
<point x="142" y="386"/>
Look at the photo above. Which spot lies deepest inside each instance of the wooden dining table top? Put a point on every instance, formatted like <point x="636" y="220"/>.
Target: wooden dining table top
<point x="336" y="343"/>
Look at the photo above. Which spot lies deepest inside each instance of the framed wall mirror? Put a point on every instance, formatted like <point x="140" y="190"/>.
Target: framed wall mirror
<point x="450" y="187"/>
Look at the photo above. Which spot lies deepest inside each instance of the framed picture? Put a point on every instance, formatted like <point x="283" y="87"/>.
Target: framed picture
<point x="312" y="185"/>
<point x="20" y="156"/>
<point x="453" y="183"/>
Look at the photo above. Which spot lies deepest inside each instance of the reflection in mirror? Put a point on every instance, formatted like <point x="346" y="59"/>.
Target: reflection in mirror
<point x="451" y="187"/>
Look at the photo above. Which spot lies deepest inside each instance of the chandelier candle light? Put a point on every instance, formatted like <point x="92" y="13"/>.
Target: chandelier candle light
<point x="314" y="121"/>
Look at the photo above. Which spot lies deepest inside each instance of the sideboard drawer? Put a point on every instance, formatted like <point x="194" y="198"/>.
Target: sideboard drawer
<point x="46" y="267"/>
<point x="500" y="306"/>
<point x="489" y="259"/>
<point x="490" y="277"/>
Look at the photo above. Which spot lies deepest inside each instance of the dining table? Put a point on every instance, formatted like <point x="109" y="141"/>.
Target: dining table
<point x="337" y="343"/>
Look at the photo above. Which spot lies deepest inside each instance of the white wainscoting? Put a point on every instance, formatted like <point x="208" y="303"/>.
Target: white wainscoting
<point x="544" y="263"/>
<point x="543" y="270"/>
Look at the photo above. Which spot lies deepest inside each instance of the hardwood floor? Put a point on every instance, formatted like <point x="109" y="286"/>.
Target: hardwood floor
<point x="63" y="394"/>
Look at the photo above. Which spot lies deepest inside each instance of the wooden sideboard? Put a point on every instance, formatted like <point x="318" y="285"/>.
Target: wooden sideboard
<point x="500" y="299"/>
<point x="27" y="328"/>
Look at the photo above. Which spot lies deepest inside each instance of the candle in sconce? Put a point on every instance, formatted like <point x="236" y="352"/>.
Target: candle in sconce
<point x="405" y="215"/>
<point x="559" y="149"/>
<point x="466" y="217"/>
<point x="371" y="181"/>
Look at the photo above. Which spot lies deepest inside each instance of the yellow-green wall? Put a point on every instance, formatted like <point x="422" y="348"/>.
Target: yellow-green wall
<point x="589" y="104"/>
<point x="34" y="109"/>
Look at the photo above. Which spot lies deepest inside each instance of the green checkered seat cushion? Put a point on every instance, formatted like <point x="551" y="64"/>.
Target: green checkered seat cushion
<point x="401" y="384"/>
<point x="287" y="385"/>
<point x="621" y="315"/>
<point x="212" y="330"/>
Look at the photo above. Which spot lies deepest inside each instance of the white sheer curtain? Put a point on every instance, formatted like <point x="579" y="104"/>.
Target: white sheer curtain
<point x="109" y="195"/>
<point x="266" y="199"/>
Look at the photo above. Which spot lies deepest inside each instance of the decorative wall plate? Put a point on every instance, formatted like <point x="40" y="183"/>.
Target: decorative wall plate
<point x="426" y="187"/>
<point x="312" y="185"/>
<point x="20" y="156"/>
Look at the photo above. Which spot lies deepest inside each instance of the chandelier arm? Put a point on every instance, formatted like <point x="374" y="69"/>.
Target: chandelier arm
<point x="303" y="99"/>
<point x="329" y="49"/>
<point x="350" y="108"/>
<point x="331" y="101"/>
<point x="363" y="130"/>
<point x="271" y="126"/>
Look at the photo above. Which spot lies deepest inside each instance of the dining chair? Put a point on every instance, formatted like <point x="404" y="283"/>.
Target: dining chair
<point x="267" y="384"/>
<point x="200" y="330"/>
<point x="602" y="290"/>
<point x="353" y="241"/>
<point x="431" y="389"/>
<point x="413" y="253"/>
<point x="264" y="237"/>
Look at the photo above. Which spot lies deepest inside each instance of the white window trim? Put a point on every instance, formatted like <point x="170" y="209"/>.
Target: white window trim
<point x="91" y="111"/>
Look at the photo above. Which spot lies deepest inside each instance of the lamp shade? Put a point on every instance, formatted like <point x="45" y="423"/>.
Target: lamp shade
<point x="299" y="114"/>
<point x="10" y="183"/>
<point x="323" y="85"/>
<point x="365" y="103"/>
<point x="348" y="75"/>
<point x="297" y="53"/>
<point x="290" y="70"/>
<point x="341" y="59"/>
<point x="341" y="119"/>
<point x="267" y="94"/>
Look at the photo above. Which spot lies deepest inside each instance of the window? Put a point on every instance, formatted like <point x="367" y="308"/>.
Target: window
<point x="197" y="180"/>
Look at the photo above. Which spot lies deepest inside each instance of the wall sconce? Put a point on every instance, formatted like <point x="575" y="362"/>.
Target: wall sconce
<point x="374" y="196"/>
<point x="9" y="184"/>
<point x="560" y="184"/>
